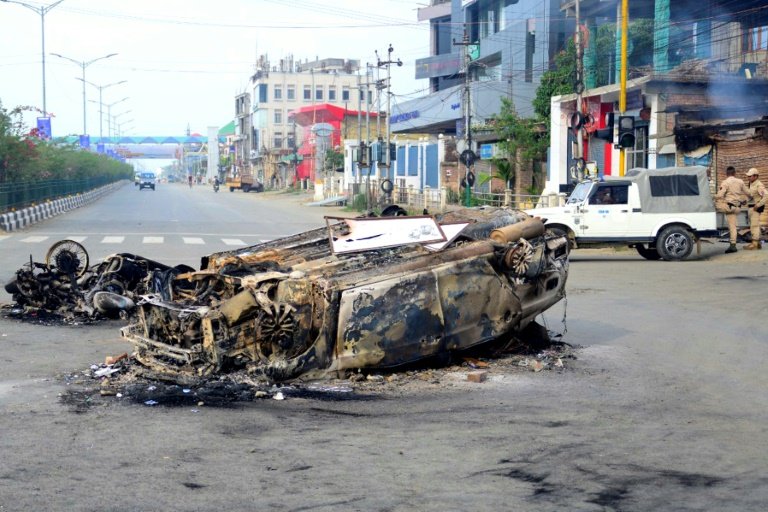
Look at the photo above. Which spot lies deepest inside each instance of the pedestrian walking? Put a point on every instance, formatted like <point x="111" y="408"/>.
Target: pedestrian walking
<point x="757" y="200"/>
<point x="732" y="194"/>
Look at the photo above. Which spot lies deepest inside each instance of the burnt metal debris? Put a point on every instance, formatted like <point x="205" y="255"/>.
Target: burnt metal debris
<point x="296" y="308"/>
<point x="65" y="285"/>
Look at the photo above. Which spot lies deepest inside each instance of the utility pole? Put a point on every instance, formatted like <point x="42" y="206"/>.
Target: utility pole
<point x="388" y="163"/>
<point x="579" y="157"/>
<point x="359" y="126"/>
<point x="467" y="156"/>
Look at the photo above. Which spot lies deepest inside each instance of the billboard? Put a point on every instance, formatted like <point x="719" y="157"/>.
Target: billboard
<point x="44" y="128"/>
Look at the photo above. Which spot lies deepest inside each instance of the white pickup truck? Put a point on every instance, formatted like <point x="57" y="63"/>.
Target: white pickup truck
<point x="662" y="213"/>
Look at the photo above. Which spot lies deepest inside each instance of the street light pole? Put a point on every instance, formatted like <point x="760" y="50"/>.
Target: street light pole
<point x="119" y="125"/>
<point x="83" y="65"/>
<point x="101" y="105"/>
<point x="109" y="115"/>
<point x="42" y="11"/>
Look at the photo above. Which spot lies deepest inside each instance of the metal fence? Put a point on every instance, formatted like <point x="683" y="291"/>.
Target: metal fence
<point x="14" y="196"/>
<point x="442" y="199"/>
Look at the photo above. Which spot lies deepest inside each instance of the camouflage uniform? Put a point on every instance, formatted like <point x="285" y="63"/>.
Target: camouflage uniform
<point x="732" y="193"/>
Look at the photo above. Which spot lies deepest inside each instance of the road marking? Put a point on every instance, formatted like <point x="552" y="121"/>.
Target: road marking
<point x="193" y="240"/>
<point x="77" y="239"/>
<point x="35" y="239"/>
<point x="233" y="241"/>
<point x="152" y="240"/>
<point x="112" y="239"/>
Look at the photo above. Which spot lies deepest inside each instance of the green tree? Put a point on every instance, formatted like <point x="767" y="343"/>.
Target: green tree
<point x="504" y="172"/>
<point x="640" y="51"/>
<point x="556" y="81"/>
<point x="334" y="159"/>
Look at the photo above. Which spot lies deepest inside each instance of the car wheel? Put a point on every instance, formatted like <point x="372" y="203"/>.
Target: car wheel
<point x="648" y="252"/>
<point x="674" y="243"/>
<point x="153" y="188"/>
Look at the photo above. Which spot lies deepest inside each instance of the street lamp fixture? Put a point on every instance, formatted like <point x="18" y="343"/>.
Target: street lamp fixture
<point x="42" y="11"/>
<point x="101" y="105"/>
<point x="83" y="65"/>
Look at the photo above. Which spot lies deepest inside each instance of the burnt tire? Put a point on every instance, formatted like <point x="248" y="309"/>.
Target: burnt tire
<point x="674" y="243"/>
<point x="648" y="252"/>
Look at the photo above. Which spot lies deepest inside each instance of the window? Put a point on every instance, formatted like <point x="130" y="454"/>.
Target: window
<point x="307" y="92"/>
<point x="278" y="92"/>
<point x="638" y="156"/>
<point x="319" y="93"/>
<point x="278" y="117"/>
<point x="331" y="93"/>
<point x="530" y="49"/>
<point x="291" y="141"/>
<point x="345" y="93"/>
<point x="262" y="93"/>
<point x="757" y="38"/>
<point x="610" y="194"/>
<point x="278" y="140"/>
<point x="676" y="185"/>
<point x="441" y="28"/>
<point x="291" y="92"/>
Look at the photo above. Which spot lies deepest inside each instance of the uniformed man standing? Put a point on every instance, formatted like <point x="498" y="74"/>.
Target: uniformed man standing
<point x="728" y="200"/>
<point x="757" y="200"/>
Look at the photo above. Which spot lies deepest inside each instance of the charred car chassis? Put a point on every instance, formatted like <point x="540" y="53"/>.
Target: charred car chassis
<point x="297" y="307"/>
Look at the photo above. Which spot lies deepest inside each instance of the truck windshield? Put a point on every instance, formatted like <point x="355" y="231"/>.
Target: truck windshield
<point x="580" y="193"/>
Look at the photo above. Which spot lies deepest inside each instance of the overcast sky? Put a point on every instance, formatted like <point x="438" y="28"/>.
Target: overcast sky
<point x="185" y="60"/>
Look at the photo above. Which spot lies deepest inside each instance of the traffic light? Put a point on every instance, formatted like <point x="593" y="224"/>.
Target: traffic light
<point x="606" y="133"/>
<point x="626" y="132"/>
<point x="392" y="152"/>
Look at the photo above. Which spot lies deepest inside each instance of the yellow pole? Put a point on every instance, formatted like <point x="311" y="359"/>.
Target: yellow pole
<point x="623" y="77"/>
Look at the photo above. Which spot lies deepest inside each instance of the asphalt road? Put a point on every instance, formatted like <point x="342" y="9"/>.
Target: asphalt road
<point x="664" y="409"/>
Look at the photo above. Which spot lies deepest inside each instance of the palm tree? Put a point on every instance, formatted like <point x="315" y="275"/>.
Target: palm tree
<point x="504" y="172"/>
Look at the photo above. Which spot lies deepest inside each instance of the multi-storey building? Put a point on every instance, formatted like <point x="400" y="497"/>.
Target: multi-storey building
<point x="697" y="89"/>
<point x="243" y="138"/>
<point x="512" y="44"/>
<point x="282" y="87"/>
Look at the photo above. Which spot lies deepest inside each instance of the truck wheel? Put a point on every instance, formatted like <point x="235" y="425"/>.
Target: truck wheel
<point x="674" y="243"/>
<point x="246" y="188"/>
<point x="648" y="252"/>
<point x="231" y="189"/>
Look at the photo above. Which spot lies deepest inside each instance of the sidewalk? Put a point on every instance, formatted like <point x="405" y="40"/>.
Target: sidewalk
<point x="303" y="198"/>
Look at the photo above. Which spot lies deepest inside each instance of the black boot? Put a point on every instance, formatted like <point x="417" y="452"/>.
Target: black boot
<point x="731" y="248"/>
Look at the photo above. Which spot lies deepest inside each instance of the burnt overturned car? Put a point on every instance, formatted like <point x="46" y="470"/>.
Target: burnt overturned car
<point x="358" y="294"/>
